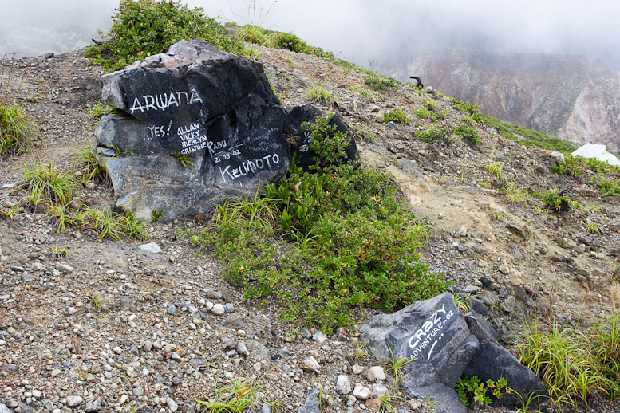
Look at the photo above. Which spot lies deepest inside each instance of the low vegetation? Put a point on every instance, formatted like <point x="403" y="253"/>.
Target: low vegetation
<point x="15" y="130"/>
<point x="432" y="134"/>
<point x="397" y="115"/>
<point x="280" y="40"/>
<point x="89" y="168"/>
<point x="52" y="191"/>
<point x="146" y="27"/>
<point x="236" y="398"/>
<point x="99" y="110"/>
<point x="471" y="390"/>
<point x="319" y="94"/>
<point x="608" y="187"/>
<point x="469" y="134"/>
<point x="324" y="242"/>
<point x="575" y="365"/>
<point x="379" y="83"/>
<point x="557" y="201"/>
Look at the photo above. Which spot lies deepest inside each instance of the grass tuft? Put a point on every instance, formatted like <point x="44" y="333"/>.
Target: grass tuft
<point x="89" y="168"/>
<point x="468" y="133"/>
<point x="319" y="94"/>
<point x="15" y="130"/>
<point x="379" y="83"/>
<point x="47" y="185"/>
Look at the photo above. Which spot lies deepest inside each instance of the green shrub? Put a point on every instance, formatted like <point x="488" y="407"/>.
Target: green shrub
<point x="379" y="83"/>
<point x="575" y="365"/>
<point x="608" y="187"/>
<point x="570" y="166"/>
<point x="254" y="34"/>
<point x="496" y="169"/>
<point x="327" y="144"/>
<point x="280" y="40"/>
<point x="556" y="201"/>
<point x="319" y="94"/>
<point x="15" y="130"/>
<point x="397" y="115"/>
<point x="236" y="398"/>
<point x="432" y="134"/>
<point x="146" y="27"/>
<point x="322" y="243"/>
<point x="469" y="134"/>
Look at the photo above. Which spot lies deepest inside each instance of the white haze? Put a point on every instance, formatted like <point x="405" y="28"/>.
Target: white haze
<point x="369" y="32"/>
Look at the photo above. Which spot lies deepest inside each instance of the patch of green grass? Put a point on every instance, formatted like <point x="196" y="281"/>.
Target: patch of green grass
<point x="15" y="130"/>
<point x="397" y="115"/>
<point x="96" y="301"/>
<point x="379" y="83"/>
<point x="47" y="185"/>
<point x="556" y="201"/>
<point x="236" y="398"/>
<point x="575" y="365"/>
<point x="59" y="252"/>
<point x="432" y="134"/>
<point x="469" y="134"/>
<point x="254" y="34"/>
<point x="473" y="391"/>
<point x="146" y="27"/>
<point x="319" y="94"/>
<point x="397" y="366"/>
<point x="496" y="169"/>
<point x="109" y="225"/>
<point x="515" y="194"/>
<point x="324" y="242"/>
<point x="593" y="228"/>
<point x="99" y="110"/>
<point x="89" y="168"/>
<point x="9" y="213"/>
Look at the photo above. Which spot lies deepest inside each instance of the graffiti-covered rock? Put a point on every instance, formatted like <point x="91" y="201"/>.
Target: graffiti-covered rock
<point x="192" y="127"/>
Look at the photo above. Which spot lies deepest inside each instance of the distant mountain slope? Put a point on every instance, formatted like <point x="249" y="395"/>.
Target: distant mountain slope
<point x="569" y="96"/>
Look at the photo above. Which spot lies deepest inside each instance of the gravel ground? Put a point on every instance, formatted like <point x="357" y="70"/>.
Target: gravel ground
<point x="109" y="327"/>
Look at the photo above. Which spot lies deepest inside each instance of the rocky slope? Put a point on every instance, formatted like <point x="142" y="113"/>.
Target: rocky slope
<point x="567" y="96"/>
<point x="111" y="328"/>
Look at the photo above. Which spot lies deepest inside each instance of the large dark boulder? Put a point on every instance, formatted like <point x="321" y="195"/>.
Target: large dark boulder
<point x="194" y="126"/>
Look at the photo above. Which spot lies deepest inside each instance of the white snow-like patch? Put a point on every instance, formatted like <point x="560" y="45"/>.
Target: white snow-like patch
<point x="597" y="151"/>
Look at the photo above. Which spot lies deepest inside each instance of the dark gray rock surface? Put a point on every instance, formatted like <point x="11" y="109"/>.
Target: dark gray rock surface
<point x="493" y="362"/>
<point x="214" y="111"/>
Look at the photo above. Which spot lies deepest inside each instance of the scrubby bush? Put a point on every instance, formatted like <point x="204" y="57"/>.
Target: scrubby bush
<point x="145" y="27"/>
<point x="557" y="201"/>
<point x="469" y="134"/>
<point x="280" y="40"/>
<point x="397" y="115"/>
<point x="15" y="130"/>
<point x="432" y="134"/>
<point x="379" y="83"/>
<point x="324" y="242"/>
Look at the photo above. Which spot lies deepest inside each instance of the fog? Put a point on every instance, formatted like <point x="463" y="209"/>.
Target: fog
<point x="369" y="32"/>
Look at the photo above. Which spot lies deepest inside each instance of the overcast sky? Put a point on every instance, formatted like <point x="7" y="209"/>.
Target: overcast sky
<point x="362" y="30"/>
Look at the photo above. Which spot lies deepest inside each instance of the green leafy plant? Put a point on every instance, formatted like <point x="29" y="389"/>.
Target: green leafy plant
<point x="397" y="115"/>
<point x="472" y="390"/>
<point x="15" y="130"/>
<point x="236" y="398"/>
<point x="432" y="134"/>
<point x="379" y="83"/>
<point x="496" y="169"/>
<point x="324" y="242"/>
<point x="397" y="366"/>
<point x="9" y="213"/>
<point x="468" y="133"/>
<point x="571" y="166"/>
<point x="146" y="27"/>
<point x="556" y="201"/>
<point x="608" y="187"/>
<point x="515" y="194"/>
<point x="319" y="94"/>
